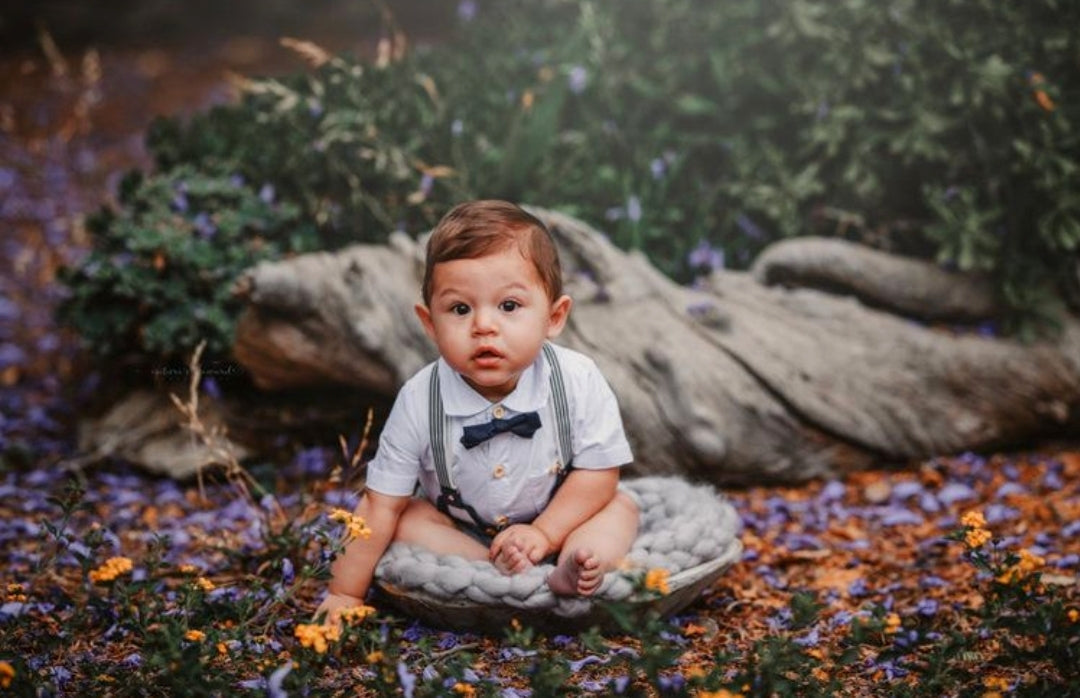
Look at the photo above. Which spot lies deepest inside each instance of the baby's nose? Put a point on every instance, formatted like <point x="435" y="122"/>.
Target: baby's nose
<point x="483" y="321"/>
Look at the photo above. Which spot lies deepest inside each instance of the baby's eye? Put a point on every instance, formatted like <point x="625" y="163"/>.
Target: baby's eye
<point x="509" y="306"/>
<point x="459" y="309"/>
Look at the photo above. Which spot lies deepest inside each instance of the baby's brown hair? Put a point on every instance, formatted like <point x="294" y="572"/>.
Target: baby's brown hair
<point x="478" y="228"/>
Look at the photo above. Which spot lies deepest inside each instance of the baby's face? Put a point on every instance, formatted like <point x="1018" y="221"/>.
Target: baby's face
<point x="490" y="317"/>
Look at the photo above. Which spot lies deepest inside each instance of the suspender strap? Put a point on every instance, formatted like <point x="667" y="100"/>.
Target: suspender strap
<point x="562" y="409"/>
<point x="449" y="495"/>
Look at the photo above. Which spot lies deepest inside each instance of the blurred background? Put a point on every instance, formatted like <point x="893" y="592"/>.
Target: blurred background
<point x="151" y="151"/>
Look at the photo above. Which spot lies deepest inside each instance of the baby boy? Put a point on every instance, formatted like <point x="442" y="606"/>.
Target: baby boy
<point x="516" y="443"/>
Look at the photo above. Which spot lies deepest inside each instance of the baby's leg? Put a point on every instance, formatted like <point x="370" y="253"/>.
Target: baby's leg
<point x="595" y="548"/>
<point x="424" y="525"/>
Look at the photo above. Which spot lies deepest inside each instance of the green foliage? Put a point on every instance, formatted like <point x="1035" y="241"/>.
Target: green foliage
<point x="940" y="129"/>
<point x="159" y="278"/>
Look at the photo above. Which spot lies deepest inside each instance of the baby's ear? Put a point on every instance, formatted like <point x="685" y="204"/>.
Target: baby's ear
<point x="424" y="313"/>
<point x="560" y="311"/>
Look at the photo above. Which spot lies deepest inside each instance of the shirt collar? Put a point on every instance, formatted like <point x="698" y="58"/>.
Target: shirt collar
<point x="460" y="400"/>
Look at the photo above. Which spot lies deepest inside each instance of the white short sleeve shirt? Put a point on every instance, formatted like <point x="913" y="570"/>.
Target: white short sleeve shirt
<point x="507" y="479"/>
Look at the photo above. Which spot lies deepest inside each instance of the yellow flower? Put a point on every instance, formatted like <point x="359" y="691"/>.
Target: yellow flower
<point x="977" y="537"/>
<point x="527" y="100"/>
<point x="820" y="674"/>
<point x="892" y="623"/>
<point x="222" y="649"/>
<point x="696" y="672"/>
<point x="7" y="674"/>
<point x="374" y="657"/>
<point x="722" y="693"/>
<point x="355" y="525"/>
<point x="356" y="614"/>
<point x="973" y="519"/>
<point x="464" y="689"/>
<point x="1074" y="615"/>
<point x="1023" y="568"/>
<point x="1044" y="100"/>
<point x="317" y="636"/>
<point x="204" y="584"/>
<point x="113" y="568"/>
<point x="189" y="569"/>
<point x="195" y="636"/>
<point x="15" y="592"/>
<point x="996" y="683"/>
<point x="656" y="579"/>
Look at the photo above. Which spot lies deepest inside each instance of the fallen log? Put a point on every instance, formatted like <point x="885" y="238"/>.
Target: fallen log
<point x="746" y="377"/>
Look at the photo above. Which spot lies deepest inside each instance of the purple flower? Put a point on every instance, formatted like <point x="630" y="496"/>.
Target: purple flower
<point x="204" y="226"/>
<point x="1009" y="488"/>
<point x="810" y="639"/>
<point x="658" y="168"/>
<point x="586" y="661"/>
<point x="749" y="227"/>
<point x="926" y="607"/>
<point x="907" y="488"/>
<point x="614" y="213"/>
<point x="466" y="10"/>
<point x="858" y="587"/>
<point x="267" y="193"/>
<point x="1052" y="480"/>
<point x="1070" y="560"/>
<point x="426" y="183"/>
<point x="705" y="256"/>
<point x="578" y="79"/>
<point x="273" y="684"/>
<point x="633" y="209"/>
<point x="898" y="516"/>
<point x="457" y="127"/>
<point x="955" y="492"/>
<point x="832" y="491"/>
<point x="288" y="572"/>
<point x="929" y="503"/>
<point x="930" y="581"/>
<point x="180" y="201"/>
<point x="8" y="310"/>
<point x="11" y="355"/>
<point x="211" y="388"/>
<point x="407" y="680"/>
<point x="997" y="513"/>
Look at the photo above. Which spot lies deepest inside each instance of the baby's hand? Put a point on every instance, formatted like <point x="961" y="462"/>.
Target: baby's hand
<point x="516" y="541"/>
<point x="333" y="605"/>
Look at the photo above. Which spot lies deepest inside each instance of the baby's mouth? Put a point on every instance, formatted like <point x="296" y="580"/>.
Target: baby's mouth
<point x="487" y="355"/>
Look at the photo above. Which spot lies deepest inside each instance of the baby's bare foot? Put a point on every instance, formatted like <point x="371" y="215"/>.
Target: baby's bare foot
<point x="511" y="560"/>
<point x="577" y="574"/>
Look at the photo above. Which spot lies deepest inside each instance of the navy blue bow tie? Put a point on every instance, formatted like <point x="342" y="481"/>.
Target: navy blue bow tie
<point x="524" y="424"/>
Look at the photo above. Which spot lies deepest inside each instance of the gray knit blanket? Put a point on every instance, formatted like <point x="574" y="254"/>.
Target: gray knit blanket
<point x="689" y="530"/>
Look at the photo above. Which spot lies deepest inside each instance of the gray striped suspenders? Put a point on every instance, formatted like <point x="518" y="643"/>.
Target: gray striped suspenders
<point x="449" y="496"/>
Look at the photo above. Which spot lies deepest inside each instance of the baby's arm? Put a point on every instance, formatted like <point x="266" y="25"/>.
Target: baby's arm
<point x="353" y="570"/>
<point x="582" y="495"/>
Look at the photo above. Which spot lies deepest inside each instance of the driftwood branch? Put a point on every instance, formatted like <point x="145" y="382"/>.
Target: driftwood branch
<point x="747" y="377"/>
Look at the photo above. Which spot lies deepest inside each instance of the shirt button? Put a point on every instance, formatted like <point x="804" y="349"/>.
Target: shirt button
<point x="498" y="472"/>
<point x="498" y="412"/>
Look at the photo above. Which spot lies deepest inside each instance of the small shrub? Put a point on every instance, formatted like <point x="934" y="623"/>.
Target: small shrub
<point x="160" y="275"/>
